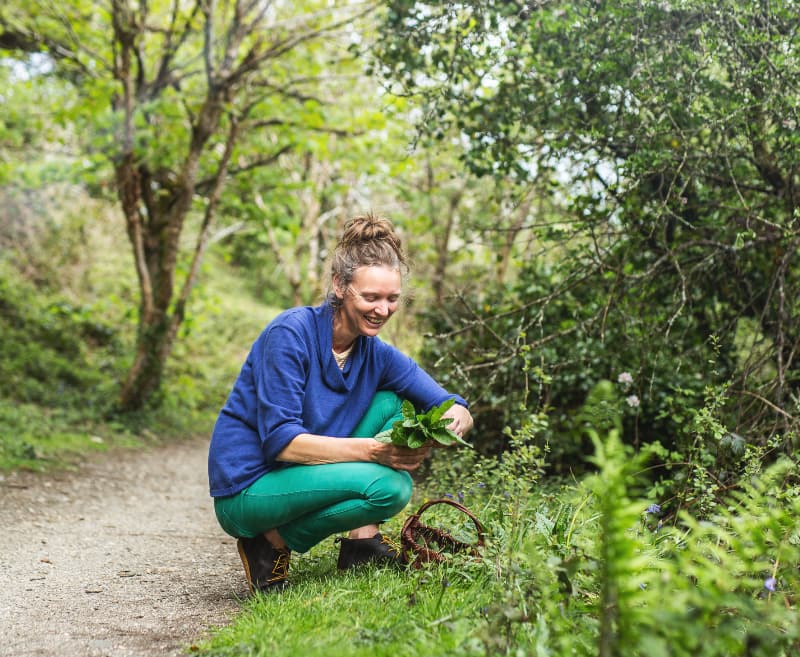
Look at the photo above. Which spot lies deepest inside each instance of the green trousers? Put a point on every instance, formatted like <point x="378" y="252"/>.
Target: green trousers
<point x="308" y="503"/>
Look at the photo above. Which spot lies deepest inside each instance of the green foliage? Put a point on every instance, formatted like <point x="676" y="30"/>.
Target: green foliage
<point x="663" y="150"/>
<point x="52" y="353"/>
<point x="593" y="567"/>
<point x="622" y="563"/>
<point x="66" y="322"/>
<point x="58" y="371"/>
<point x="417" y="429"/>
<point x="558" y="355"/>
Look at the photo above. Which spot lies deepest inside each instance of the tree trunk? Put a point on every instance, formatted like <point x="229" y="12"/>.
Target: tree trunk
<point x="153" y="345"/>
<point x="443" y="246"/>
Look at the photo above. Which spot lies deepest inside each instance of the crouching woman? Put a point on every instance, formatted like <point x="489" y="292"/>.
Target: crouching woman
<point x="292" y="460"/>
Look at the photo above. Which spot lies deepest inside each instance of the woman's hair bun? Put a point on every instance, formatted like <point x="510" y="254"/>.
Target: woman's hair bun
<point x="370" y="228"/>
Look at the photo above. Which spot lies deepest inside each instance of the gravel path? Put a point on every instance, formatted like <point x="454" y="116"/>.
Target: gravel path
<point x="122" y="558"/>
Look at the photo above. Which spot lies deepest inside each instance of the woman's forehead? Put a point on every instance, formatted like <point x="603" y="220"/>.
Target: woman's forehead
<point x="377" y="276"/>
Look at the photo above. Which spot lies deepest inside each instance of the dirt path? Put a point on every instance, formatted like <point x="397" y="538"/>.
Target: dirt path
<point x="123" y="558"/>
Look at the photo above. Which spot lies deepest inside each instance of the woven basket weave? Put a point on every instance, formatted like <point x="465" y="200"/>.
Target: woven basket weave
<point x="423" y="544"/>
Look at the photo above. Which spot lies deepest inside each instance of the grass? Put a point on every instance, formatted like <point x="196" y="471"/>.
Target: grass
<point x="370" y="612"/>
<point x="39" y="439"/>
<point x="581" y="568"/>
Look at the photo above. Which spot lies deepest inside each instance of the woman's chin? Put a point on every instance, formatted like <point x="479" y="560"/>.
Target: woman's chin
<point x="368" y="328"/>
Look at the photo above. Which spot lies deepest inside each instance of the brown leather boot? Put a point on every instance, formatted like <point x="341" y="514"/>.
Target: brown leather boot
<point x="265" y="566"/>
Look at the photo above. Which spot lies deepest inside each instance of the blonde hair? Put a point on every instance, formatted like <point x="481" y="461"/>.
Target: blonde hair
<point x="367" y="240"/>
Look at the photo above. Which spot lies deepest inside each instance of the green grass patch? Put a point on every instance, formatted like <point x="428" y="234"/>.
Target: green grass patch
<point x="40" y="439"/>
<point x="587" y="568"/>
<point x="369" y="612"/>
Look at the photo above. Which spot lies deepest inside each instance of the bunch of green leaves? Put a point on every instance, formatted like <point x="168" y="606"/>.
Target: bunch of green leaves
<point x="416" y="429"/>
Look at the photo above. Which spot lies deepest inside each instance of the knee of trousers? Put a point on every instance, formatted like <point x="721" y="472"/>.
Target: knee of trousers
<point x="391" y="491"/>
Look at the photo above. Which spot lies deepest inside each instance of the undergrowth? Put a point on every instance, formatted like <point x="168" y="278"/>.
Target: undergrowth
<point x="63" y="356"/>
<point x="581" y="567"/>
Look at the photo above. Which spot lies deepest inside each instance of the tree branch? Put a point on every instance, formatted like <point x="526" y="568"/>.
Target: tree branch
<point x="204" y="185"/>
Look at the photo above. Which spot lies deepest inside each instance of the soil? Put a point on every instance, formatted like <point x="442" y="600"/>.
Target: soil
<point x="122" y="557"/>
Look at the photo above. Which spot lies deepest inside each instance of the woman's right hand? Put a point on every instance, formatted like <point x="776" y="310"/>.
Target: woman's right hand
<point x="399" y="458"/>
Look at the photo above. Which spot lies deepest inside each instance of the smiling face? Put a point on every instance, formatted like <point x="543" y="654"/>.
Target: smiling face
<point x="367" y="303"/>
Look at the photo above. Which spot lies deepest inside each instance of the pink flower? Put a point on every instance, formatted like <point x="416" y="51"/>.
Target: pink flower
<point x="625" y="378"/>
<point x="633" y="401"/>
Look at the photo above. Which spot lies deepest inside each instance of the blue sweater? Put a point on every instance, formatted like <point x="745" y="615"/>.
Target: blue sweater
<point x="290" y="384"/>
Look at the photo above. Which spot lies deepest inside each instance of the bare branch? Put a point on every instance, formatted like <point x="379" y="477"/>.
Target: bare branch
<point x="340" y="132"/>
<point x="165" y="75"/>
<point x="216" y="185"/>
<point x="253" y="59"/>
<point x="202" y="186"/>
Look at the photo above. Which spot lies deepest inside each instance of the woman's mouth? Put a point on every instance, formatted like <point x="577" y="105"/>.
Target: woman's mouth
<point x="375" y="322"/>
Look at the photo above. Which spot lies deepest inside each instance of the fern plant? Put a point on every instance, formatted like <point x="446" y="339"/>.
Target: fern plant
<point x="624" y="567"/>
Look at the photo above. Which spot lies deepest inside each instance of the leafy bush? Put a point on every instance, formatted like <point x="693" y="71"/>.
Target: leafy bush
<point x="52" y="353"/>
<point x="600" y="568"/>
<point x="547" y="344"/>
<point x="584" y="567"/>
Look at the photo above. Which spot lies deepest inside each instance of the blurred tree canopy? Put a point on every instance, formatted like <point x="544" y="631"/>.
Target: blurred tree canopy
<point x="662" y="139"/>
<point x="177" y="107"/>
<point x="601" y="199"/>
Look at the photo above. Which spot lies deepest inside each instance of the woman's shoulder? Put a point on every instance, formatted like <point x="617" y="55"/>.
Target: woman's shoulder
<point x="385" y="351"/>
<point x="297" y="317"/>
<point x="303" y="322"/>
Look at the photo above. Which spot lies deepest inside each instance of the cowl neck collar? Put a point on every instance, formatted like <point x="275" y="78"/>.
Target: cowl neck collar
<point x="334" y="377"/>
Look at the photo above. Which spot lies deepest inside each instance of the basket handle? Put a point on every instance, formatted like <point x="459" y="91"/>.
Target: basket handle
<point x="460" y="507"/>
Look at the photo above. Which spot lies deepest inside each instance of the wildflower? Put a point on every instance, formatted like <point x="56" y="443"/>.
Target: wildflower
<point x="625" y="378"/>
<point x="653" y="508"/>
<point x="449" y="496"/>
<point x="770" y="584"/>
<point x="461" y="496"/>
<point x="633" y="401"/>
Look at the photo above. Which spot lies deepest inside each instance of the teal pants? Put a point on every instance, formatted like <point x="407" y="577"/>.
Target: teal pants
<point x="308" y="503"/>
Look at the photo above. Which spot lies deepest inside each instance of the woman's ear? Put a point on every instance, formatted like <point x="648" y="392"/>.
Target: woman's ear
<point x="338" y="288"/>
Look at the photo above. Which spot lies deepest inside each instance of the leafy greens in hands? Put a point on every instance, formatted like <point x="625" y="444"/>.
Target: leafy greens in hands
<point x="416" y="429"/>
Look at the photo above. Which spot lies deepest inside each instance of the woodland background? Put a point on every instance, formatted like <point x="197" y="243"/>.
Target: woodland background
<point x="600" y="199"/>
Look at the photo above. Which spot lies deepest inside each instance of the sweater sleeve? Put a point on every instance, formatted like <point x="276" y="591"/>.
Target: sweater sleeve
<point x="280" y="382"/>
<point x="402" y="375"/>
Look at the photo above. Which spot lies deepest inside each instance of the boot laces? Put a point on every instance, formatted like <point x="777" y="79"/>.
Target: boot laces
<point x="393" y="545"/>
<point x="280" y="568"/>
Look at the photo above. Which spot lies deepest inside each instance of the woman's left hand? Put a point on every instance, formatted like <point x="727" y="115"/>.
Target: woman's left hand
<point x="462" y="419"/>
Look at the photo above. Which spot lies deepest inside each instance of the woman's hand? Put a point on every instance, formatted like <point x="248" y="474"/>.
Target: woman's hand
<point x="462" y="419"/>
<point x="399" y="458"/>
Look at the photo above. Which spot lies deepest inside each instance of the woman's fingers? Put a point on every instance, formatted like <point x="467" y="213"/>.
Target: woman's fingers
<point x="403" y="458"/>
<point x="461" y="419"/>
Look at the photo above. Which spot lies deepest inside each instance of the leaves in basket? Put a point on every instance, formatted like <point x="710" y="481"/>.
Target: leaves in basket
<point x="416" y="429"/>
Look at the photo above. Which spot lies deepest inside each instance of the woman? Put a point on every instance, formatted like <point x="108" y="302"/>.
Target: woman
<point x="291" y="459"/>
